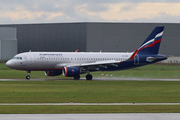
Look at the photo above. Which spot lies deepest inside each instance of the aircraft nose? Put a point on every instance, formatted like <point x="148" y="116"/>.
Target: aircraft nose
<point x="9" y="64"/>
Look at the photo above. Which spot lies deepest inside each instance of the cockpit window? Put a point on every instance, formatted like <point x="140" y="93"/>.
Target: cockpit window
<point x="17" y="58"/>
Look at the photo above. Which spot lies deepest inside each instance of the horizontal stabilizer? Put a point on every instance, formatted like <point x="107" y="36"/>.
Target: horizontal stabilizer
<point x="150" y="59"/>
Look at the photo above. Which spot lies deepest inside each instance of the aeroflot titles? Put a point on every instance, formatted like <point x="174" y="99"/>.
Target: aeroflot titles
<point x="50" y="54"/>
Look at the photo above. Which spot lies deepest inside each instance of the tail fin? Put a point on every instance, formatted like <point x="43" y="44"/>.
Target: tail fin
<point x="152" y="43"/>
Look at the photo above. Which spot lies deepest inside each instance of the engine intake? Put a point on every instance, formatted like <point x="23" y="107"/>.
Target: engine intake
<point x="71" y="71"/>
<point x="53" y="72"/>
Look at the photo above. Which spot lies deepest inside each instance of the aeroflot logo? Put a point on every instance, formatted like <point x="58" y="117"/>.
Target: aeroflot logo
<point x="50" y="54"/>
<point x="157" y="39"/>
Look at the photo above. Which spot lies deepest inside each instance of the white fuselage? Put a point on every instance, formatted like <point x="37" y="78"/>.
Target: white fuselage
<point x="40" y="61"/>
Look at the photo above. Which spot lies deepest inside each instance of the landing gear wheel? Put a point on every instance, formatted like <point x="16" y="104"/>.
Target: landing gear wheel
<point x="89" y="77"/>
<point x="77" y="77"/>
<point x="28" y="77"/>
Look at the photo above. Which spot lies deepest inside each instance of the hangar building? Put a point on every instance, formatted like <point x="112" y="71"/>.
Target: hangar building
<point x="8" y="43"/>
<point x="93" y="37"/>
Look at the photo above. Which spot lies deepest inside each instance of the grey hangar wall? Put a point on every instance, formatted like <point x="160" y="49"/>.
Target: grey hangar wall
<point x="8" y="43"/>
<point x="93" y="37"/>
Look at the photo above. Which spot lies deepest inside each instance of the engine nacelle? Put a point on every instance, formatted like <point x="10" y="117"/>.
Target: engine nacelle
<point x="53" y="72"/>
<point x="71" y="71"/>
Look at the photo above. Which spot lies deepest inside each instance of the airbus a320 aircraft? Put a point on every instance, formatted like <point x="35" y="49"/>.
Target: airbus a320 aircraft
<point x="72" y="64"/>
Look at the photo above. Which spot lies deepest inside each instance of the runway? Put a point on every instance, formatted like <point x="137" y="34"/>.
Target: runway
<point x="121" y="116"/>
<point x="89" y="104"/>
<point x="94" y="79"/>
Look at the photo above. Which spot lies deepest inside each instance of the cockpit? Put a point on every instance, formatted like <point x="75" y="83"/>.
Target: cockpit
<point x="17" y="58"/>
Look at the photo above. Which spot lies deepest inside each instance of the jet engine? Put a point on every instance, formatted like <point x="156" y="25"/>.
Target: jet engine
<point x="53" y="72"/>
<point x="71" y="71"/>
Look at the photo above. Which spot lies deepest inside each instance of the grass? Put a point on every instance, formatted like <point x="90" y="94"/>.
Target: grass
<point x="88" y="109"/>
<point x="89" y="92"/>
<point x="150" y="71"/>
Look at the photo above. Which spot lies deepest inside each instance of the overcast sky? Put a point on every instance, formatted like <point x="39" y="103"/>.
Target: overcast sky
<point x="65" y="11"/>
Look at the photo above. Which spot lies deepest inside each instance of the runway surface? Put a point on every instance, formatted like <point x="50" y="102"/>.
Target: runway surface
<point x="89" y="104"/>
<point x="128" y="116"/>
<point x="96" y="79"/>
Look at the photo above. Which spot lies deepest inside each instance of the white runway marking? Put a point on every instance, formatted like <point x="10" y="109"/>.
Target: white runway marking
<point x="95" y="79"/>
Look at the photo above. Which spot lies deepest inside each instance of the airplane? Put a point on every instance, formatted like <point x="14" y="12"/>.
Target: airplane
<point x="72" y="64"/>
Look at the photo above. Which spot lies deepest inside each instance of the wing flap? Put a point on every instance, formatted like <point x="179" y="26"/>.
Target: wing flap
<point x="95" y="63"/>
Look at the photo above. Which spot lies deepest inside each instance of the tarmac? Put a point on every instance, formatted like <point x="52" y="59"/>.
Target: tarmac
<point x="89" y="104"/>
<point x="105" y="116"/>
<point x="95" y="79"/>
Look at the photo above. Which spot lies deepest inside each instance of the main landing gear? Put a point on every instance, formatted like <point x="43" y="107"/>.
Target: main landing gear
<point x="77" y="77"/>
<point x="88" y="77"/>
<point x="28" y="75"/>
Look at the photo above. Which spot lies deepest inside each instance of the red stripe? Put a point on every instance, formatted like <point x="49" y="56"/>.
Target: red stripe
<point x="134" y="54"/>
<point x="151" y="45"/>
<point x="48" y="73"/>
<point x="66" y="71"/>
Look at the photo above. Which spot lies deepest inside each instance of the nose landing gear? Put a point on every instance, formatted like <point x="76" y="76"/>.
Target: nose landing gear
<point x="28" y="75"/>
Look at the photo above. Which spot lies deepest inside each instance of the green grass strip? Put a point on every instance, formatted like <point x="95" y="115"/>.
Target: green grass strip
<point x="89" y="91"/>
<point x="88" y="109"/>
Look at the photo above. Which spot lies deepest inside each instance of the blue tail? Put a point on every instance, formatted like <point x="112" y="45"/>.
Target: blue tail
<point x="152" y="43"/>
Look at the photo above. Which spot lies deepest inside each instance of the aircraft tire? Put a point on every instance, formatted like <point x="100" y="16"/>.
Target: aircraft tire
<point x="28" y="77"/>
<point x="89" y="77"/>
<point x="77" y="77"/>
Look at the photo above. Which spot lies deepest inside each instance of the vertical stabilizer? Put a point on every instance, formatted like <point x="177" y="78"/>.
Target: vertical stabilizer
<point x="152" y="43"/>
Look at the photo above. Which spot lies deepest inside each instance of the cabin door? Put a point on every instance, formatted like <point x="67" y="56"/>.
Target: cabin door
<point x="30" y="59"/>
<point x="136" y="60"/>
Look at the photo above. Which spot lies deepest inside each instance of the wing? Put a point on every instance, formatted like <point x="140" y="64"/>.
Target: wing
<point x="96" y="65"/>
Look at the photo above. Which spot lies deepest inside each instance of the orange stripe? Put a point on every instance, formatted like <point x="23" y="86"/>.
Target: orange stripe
<point x="66" y="71"/>
<point x="133" y="55"/>
<point x="48" y="73"/>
